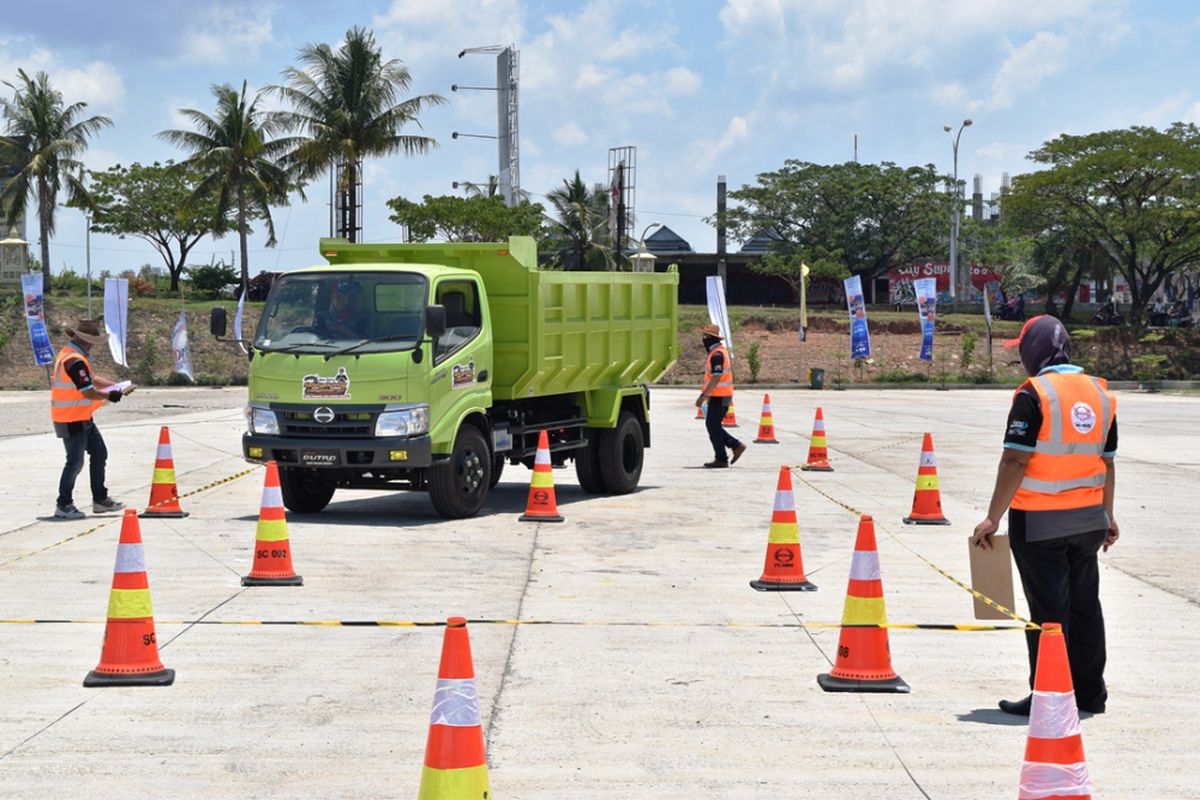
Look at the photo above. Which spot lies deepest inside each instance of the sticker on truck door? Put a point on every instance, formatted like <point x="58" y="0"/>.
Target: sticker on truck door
<point x="317" y="387"/>
<point x="463" y="375"/>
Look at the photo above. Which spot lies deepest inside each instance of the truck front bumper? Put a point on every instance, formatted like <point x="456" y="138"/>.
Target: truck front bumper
<point x="395" y="452"/>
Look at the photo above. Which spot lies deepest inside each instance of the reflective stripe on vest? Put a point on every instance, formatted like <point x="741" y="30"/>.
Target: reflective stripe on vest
<point x="67" y="403"/>
<point x="724" y="387"/>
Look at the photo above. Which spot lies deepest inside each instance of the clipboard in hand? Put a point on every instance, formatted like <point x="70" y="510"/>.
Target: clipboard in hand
<point x="991" y="575"/>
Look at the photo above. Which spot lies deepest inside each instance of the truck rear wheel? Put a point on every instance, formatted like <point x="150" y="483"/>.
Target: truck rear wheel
<point x="304" y="492"/>
<point x="621" y="453"/>
<point x="459" y="486"/>
<point x="587" y="464"/>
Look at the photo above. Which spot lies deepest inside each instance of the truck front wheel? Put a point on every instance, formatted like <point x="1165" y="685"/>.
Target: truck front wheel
<point x="459" y="486"/>
<point x="303" y="491"/>
<point x="622" y="450"/>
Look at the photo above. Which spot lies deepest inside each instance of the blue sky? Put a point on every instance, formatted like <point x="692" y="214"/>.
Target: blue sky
<point x="701" y="87"/>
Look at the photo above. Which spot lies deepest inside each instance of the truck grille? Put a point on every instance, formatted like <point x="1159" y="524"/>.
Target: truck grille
<point x="344" y="423"/>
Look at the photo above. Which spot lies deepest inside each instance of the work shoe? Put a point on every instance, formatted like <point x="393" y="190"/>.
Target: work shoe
<point x="717" y="464"/>
<point x="106" y="505"/>
<point x="1018" y="708"/>
<point x="737" y="453"/>
<point x="68" y="512"/>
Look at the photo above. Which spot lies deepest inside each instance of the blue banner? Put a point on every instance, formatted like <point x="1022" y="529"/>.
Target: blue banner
<point x="926" y="292"/>
<point x="35" y="319"/>
<point x="860" y="337"/>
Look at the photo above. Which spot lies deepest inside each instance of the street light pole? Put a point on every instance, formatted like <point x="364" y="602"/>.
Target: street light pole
<point x="642" y="253"/>
<point x="957" y="200"/>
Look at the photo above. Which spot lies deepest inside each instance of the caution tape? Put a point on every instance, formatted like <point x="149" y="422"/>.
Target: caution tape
<point x="408" y="623"/>
<point x="983" y="598"/>
<point x="113" y="519"/>
<point x="862" y="453"/>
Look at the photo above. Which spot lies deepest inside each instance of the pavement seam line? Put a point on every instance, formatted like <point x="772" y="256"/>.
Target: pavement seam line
<point x="50" y="725"/>
<point x="176" y="531"/>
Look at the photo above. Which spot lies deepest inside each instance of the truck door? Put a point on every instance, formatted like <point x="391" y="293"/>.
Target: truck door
<point x="462" y="357"/>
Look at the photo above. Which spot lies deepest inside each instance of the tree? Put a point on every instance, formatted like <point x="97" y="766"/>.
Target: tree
<point x="210" y="279"/>
<point x="579" y="238"/>
<point x="869" y="216"/>
<point x="236" y="160"/>
<point x="786" y="262"/>
<point x="156" y="203"/>
<point x="1129" y="197"/>
<point x="48" y="138"/>
<point x="466" y="219"/>
<point x="346" y="108"/>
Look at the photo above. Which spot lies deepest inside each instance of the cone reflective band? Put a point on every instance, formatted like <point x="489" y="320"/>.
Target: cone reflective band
<point x="542" y="507"/>
<point x="864" y="657"/>
<point x="164" y="495"/>
<point x="730" y="418"/>
<point x="1054" y="765"/>
<point x="129" y="656"/>
<point x="272" y="548"/>
<point x="784" y="567"/>
<point x="766" y="424"/>
<point x="927" y="497"/>
<point x="818" y="454"/>
<point x="455" y="764"/>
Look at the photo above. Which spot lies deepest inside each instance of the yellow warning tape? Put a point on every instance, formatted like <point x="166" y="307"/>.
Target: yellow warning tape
<point x="117" y="518"/>
<point x="861" y="453"/>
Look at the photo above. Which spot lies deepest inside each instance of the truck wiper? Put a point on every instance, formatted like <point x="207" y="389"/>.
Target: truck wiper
<point x="357" y="345"/>
<point x="293" y="348"/>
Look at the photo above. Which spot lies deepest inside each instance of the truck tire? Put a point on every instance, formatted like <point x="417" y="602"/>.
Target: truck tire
<point x="622" y="450"/>
<point x="497" y="471"/>
<point x="303" y="491"/>
<point x="459" y="486"/>
<point x="587" y="464"/>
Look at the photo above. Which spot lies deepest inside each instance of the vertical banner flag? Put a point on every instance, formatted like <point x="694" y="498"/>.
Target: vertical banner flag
<point x="116" y="309"/>
<point x="179" y="347"/>
<point x="718" y="313"/>
<point x="237" y="317"/>
<point x="804" y="270"/>
<point x="860" y="337"/>
<point x="35" y="319"/>
<point x="926" y="292"/>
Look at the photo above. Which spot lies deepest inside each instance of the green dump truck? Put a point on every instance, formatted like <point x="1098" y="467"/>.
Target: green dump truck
<point x="429" y="366"/>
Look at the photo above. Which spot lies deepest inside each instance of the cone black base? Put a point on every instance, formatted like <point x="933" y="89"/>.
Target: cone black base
<point x="774" y="586"/>
<point x="809" y="468"/>
<point x="294" y="580"/>
<point x="163" y="514"/>
<point x="527" y="518"/>
<point x="894" y="686"/>
<point x="917" y="521"/>
<point x="100" y="679"/>
<point x="766" y="441"/>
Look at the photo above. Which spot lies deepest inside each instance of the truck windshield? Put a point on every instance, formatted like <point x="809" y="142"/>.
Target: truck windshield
<point x="319" y="312"/>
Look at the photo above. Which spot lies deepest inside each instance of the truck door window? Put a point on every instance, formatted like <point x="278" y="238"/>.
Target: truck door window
<point x="463" y="320"/>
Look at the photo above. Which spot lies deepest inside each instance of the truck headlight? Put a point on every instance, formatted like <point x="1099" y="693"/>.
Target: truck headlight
<point x="262" y="421"/>
<point x="404" y="422"/>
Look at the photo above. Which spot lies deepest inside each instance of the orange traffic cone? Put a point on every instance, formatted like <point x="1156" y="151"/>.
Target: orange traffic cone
<point x="818" y="454"/>
<point x="730" y="418"/>
<point x="784" y="567"/>
<point x="927" y="500"/>
<point x="701" y="409"/>
<point x="164" y="496"/>
<point x="766" y="424"/>
<point x="129" y="656"/>
<point x="864" y="657"/>
<point x="455" y="765"/>
<point x="1054" y="765"/>
<point x="272" y="549"/>
<point x="541" y="506"/>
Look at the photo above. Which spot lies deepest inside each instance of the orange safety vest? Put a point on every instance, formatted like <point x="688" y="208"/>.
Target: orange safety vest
<point x="68" y="404"/>
<point x="1067" y="470"/>
<point x="724" y="387"/>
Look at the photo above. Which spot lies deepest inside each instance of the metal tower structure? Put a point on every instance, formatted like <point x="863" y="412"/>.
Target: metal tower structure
<point x="345" y="212"/>
<point x="507" y="126"/>
<point x="622" y="187"/>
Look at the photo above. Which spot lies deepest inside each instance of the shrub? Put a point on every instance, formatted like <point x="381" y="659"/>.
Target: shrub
<point x="901" y="376"/>
<point x="209" y="279"/>
<point x="969" y="341"/>
<point x="753" y="361"/>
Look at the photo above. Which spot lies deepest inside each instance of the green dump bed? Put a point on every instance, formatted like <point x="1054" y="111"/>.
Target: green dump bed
<point x="555" y="332"/>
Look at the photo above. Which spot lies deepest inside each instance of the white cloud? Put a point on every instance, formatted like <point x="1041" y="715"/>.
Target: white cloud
<point x="225" y="34"/>
<point x="1000" y="151"/>
<point x="570" y="135"/>
<point x="590" y="76"/>
<point x="97" y="83"/>
<point x="951" y="94"/>
<point x="681" y="81"/>
<point x="705" y="152"/>
<point x="1042" y="57"/>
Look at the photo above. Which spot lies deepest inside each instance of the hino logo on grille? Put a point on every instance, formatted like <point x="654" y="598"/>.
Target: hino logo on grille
<point x="324" y="415"/>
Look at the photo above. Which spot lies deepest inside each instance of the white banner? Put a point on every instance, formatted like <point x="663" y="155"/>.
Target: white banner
<point x="116" y="310"/>
<point x="179" y="347"/>
<point x="237" y="317"/>
<point x="718" y="314"/>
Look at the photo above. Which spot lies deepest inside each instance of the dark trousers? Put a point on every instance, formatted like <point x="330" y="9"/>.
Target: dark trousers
<point x="720" y="438"/>
<point x="1061" y="578"/>
<point x="87" y="441"/>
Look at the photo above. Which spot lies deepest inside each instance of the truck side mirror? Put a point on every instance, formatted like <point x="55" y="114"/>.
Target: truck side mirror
<point x="435" y="320"/>
<point x="217" y="322"/>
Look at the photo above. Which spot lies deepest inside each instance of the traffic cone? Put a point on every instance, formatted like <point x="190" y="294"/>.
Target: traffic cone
<point x="766" y="424"/>
<point x="730" y="418"/>
<point x="818" y="454"/>
<point x="164" y="496"/>
<point x="129" y="656"/>
<point x="784" y="567"/>
<point x="455" y="765"/>
<point x="541" y="506"/>
<point x="864" y="657"/>
<point x="701" y="409"/>
<point x="1054" y="766"/>
<point x="272" y="549"/>
<point x="927" y="500"/>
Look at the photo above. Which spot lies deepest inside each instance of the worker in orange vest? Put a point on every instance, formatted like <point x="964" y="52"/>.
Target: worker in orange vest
<point x="717" y="392"/>
<point x="75" y="394"/>
<point x="1058" y="477"/>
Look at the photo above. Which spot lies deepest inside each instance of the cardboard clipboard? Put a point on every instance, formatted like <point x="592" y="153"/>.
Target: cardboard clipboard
<point x="991" y="575"/>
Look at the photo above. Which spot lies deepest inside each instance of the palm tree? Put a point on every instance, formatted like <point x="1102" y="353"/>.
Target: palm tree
<point x="580" y="235"/>
<point x="237" y="160"/>
<point x="346" y="107"/>
<point x="47" y="137"/>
